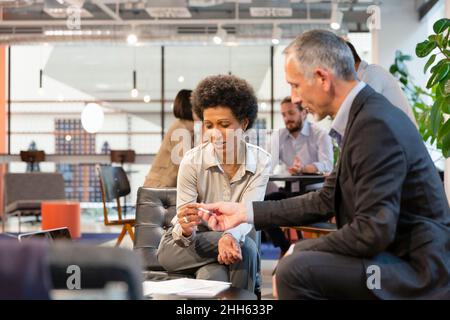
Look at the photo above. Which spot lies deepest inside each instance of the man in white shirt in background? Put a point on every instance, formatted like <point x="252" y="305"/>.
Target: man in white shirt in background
<point x="304" y="148"/>
<point x="382" y="82"/>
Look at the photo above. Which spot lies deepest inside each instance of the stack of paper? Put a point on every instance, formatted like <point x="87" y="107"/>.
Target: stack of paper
<point x="185" y="287"/>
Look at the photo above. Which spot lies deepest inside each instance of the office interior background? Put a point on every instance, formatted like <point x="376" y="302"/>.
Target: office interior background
<point x="51" y="73"/>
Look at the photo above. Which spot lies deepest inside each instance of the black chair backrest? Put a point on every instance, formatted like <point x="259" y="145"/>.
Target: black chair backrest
<point x="31" y="269"/>
<point x="115" y="182"/>
<point x="34" y="186"/>
<point x="98" y="265"/>
<point x="155" y="209"/>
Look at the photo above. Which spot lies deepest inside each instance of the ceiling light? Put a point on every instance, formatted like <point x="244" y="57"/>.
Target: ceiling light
<point x="169" y="12"/>
<point x="180" y="79"/>
<point x="92" y="117"/>
<point x="261" y="12"/>
<point x="220" y="36"/>
<point x="276" y="35"/>
<point x="41" y="74"/>
<point x="134" y="91"/>
<point x="132" y="39"/>
<point x="168" y="9"/>
<point x="336" y="17"/>
<point x="147" y="98"/>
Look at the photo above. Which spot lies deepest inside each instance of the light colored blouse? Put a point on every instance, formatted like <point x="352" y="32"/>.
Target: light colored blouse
<point x="201" y="179"/>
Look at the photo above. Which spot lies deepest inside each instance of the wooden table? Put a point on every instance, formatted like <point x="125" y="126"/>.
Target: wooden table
<point x="303" y="180"/>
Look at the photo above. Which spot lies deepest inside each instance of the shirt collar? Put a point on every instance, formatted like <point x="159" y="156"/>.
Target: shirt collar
<point x="306" y="128"/>
<point x="340" y="121"/>
<point x="247" y="157"/>
<point x="362" y="65"/>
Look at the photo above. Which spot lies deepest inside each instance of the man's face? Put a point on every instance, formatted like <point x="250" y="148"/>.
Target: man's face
<point x="293" y="118"/>
<point x="313" y="94"/>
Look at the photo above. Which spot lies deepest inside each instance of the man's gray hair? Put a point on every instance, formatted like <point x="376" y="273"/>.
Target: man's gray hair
<point x="324" y="49"/>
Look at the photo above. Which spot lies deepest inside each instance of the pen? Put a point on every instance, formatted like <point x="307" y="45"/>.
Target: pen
<point x="215" y="212"/>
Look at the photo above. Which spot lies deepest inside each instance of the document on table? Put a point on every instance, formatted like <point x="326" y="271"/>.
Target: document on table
<point x="185" y="287"/>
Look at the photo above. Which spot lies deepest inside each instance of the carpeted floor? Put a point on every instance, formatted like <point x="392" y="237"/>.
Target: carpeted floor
<point x="269" y="252"/>
<point x="97" y="238"/>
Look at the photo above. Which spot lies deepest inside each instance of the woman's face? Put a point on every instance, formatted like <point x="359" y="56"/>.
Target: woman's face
<point x="222" y="128"/>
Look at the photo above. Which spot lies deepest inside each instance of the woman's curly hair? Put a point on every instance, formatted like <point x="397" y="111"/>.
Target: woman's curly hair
<point x="227" y="91"/>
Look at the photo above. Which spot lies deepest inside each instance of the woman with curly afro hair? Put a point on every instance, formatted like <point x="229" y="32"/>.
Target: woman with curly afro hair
<point x="223" y="168"/>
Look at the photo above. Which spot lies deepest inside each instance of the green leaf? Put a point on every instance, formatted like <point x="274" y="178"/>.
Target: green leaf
<point x="420" y="106"/>
<point x="424" y="48"/>
<point x="443" y="89"/>
<point x="445" y="145"/>
<point x="437" y="65"/>
<point x="444" y="130"/>
<point x="440" y="25"/>
<point x="440" y="41"/>
<point x="439" y="74"/>
<point x="429" y="63"/>
<point x="445" y="106"/>
<point x="401" y="57"/>
<point x="435" y="118"/>
<point x="393" y="69"/>
<point x="406" y="57"/>
<point x="433" y="139"/>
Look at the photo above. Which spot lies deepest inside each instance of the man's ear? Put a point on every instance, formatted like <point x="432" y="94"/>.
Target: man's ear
<point x="324" y="78"/>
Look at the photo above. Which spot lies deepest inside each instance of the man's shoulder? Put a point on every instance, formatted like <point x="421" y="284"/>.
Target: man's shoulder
<point x="378" y="110"/>
<point x="377" y="74"/>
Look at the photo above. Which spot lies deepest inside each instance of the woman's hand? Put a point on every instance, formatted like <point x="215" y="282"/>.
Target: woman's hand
<point x="229" y="250"/>
<point x="188" y="218"/>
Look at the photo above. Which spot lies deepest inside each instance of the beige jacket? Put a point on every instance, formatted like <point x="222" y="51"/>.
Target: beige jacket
<point x="164" y="171"/>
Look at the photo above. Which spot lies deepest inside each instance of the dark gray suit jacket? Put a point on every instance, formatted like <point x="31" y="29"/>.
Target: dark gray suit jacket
<point x="388" y="200"/>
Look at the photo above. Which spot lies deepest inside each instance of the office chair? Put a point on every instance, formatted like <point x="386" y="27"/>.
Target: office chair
<point x="24" y="193"/>
<point x="114" y="184"/>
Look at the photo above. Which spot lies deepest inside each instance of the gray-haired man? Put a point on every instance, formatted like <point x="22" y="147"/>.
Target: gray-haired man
<point x="393" y="219"/>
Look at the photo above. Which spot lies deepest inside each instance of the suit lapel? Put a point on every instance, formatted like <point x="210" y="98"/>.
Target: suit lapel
<point x="357" y="105"/>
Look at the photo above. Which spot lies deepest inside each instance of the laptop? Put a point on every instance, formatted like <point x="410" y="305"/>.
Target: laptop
<point x="50" y="234"/>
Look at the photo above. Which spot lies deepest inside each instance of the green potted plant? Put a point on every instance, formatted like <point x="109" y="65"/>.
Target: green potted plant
<point x="431" y="105"/>
<point x="438" y="118"/>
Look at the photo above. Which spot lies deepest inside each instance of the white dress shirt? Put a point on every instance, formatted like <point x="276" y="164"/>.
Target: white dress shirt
<point x="312" y="145"/>
<point x="386" y="84"/>
<point x="201" y="179"/>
